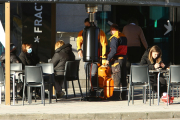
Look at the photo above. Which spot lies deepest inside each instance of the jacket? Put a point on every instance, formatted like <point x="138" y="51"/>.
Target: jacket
<point x="145" y="60"/>
<point x="103" y="41"/>
<point x="62" y="54"/>
<point x="13" y="58"/>
<point x="134" y="35"/>
<point x="118" y="45"/>
<point x="28" y="59"/>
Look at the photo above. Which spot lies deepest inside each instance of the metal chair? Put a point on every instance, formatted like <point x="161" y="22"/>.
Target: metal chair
<point x="139" y="76"/>
<point x="33" y="78"/>
<point x="15" y="66"/>
<point x="2" y="80"/>
<point x="174" y="79"/>
<point x="48" y="68"/>
<point x="71" y="73"/>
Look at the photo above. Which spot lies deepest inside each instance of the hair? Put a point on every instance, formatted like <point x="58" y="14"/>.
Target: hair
<point x="24" y="46"/>
<point x="133" y="20"/>
<point x="114" y="27"/>
<point x="155" y="48"/>
<point x="86" y="20"/>
<point x="59" y="44"/>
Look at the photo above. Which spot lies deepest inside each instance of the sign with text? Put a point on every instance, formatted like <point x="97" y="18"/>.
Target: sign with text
<point x="36" y="30"/>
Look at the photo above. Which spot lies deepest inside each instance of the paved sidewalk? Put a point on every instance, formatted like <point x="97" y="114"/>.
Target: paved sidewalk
<point x="74" y="108"/>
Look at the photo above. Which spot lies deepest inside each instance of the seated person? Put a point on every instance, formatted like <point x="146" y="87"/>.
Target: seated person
<point x="28" y="57"/>
<point x="13" y="57"/>
<point x="152" y="57"/>
<point x="63" y="53"/>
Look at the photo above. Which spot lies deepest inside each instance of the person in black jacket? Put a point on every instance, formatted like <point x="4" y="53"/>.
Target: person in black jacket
<point x="152" y="57"/>
<point x="28" y="57"/>
<point x="63" y="53"/>
<point x="13" y="57"/>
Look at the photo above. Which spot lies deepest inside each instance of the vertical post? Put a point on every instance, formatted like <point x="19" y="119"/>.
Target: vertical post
<point x="53" y="31"/>
<point x="7" y="53"/>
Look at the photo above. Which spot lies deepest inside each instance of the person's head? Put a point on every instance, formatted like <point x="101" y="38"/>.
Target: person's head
<point x="27" y="48"/>
<point x="133" y="20"/>
<point x="87" y="23"/>
<point x="155" y="53"/>
<point x="12" y="47"/>
<point x="59" y="44"/>
<point x="114" y="28"/>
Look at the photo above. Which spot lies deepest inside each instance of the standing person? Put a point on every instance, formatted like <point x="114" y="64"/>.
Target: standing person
<point x="153" y="57"/>
<point x="13" y="57"/>
<point x="117" y="56"/>
<point x="135" y="36"/>
<point x="28" y="57"/>
<point x="102" y="42"/>
<point x="63" y="53"/>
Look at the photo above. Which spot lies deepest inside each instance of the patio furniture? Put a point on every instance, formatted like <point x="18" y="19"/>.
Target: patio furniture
<point x="139" y="76"/>
<point x="34" y="78"/>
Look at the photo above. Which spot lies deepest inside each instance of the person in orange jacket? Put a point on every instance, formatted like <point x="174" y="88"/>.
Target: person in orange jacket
<point x="103" y="42"/>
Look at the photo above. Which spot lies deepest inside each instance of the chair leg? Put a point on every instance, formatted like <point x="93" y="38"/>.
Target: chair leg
<point x="44" y="95"/>
<point x="50" y="93"/>
<point x="172" y="91"/>
<point x="168" y="94"/>
<point x="132" y="94"/>
<point x="35" y="95"/>
<point x="42" y="92"/>
<point x="152" y="94"/>
<point x="149" y="95"/>
<point x="23" y="94"/>
<point x="65" y="85"/>
<point x="56" y="95"/>
<point x="143" y="94"/>
<point x="16" y="92"/>
<point x="80" y="88"/>
<point x="73" y="89"/>
<point x="129" y="94"/>
<point x="177" y="91"/>
<point x="0" y="95"/>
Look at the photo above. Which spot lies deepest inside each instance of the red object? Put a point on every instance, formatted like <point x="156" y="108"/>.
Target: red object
<point x="164" y="99"/>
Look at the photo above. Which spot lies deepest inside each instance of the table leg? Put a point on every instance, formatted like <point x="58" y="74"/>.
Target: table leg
<point x="158" y="87"/>
<point x="29" y="95"/>
<point x="14" y="88"/>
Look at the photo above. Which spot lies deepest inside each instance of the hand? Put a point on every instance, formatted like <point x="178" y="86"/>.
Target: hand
<point x="107" y="62"/>
<point x="157" y="65"/>
<point x="162" y="65"/>
<point x="80" y="54"/>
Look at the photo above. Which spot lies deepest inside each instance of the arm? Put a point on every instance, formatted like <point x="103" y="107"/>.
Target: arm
<point x="113" y="47"/>
<point x="79" y="40"/>
<point x="104" y="43"/>
<point x="55" y="59"/>
<point x="143" y="39"/>
<point x="23" y="60"/>
<point x="144" y="60"/>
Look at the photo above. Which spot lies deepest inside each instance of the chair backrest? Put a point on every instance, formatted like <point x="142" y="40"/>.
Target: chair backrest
<point x="47" y="67"/>
<point x="135" y="63"/>
<point x="2" y="75"/>
<point x="174" y="73"/>
<point x="139" y="73"/>
<point x="72" y="69"/>
<point x="16" y="66"/>
<point x="33" y="74"/>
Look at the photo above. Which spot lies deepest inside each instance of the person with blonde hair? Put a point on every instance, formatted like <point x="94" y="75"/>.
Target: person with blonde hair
<point x="153" y="57"/>
<point x="63" y="53"/>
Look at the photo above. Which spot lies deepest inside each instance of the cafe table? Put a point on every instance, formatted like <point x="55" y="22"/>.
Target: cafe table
<point x="159" y="71"/>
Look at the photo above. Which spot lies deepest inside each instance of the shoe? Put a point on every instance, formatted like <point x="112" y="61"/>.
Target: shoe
<point x="60" y="94"/>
